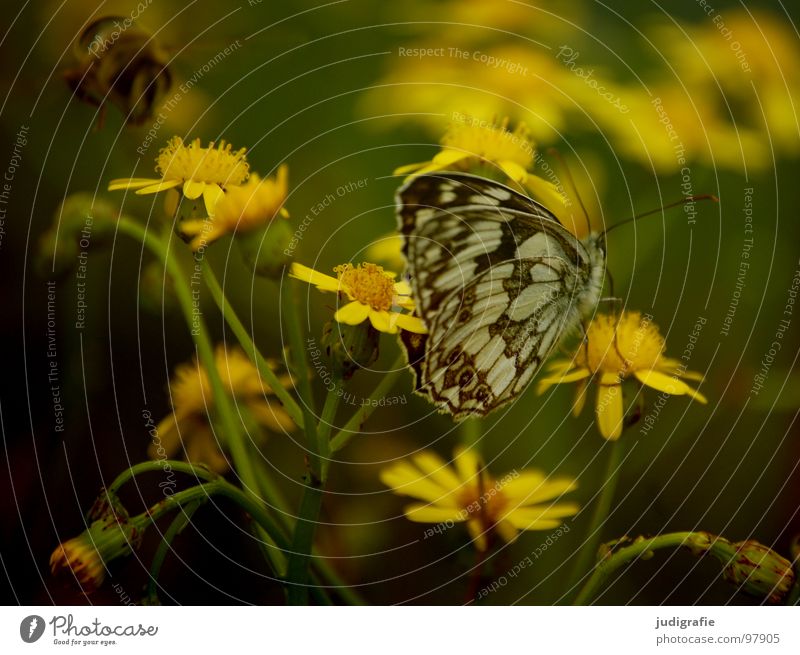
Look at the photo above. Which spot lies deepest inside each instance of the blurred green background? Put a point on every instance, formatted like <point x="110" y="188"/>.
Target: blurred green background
<point x="324" y="89"/>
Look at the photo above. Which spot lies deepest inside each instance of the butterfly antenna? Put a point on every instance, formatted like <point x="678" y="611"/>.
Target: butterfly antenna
<point x="683" y="201"/>
<point x="555" y="153"/>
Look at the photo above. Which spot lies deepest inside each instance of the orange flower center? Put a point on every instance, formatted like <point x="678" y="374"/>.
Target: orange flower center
<point x="369" y="284"/>
<point x="484" y="500"/>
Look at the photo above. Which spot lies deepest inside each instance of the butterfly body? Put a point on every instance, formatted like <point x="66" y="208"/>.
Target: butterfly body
<point x="498" y="282"/>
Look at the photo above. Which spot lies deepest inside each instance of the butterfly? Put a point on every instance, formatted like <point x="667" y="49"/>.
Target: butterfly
<point x="498" y="281"/>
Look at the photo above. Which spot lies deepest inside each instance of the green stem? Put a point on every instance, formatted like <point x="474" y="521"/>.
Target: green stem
<point x="243" y="336"/>
<point x="268" y="528"/>
<point x="176" y="527"/>
<point x="162" y="465"/>
<point x="326" y="423"/>
<point x="357" y="420"/>
<point x="588" y="552"/>
<point x="205" y="351"/>
<point x="198" y="493"/>
<point x="311" y="501"/>
<point x="471" y="432"/>
<point x="302" y="541"/>
<point x="623" y="556"/>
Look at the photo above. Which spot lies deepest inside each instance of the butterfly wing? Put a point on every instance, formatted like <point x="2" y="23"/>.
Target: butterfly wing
<point x="497" y="281"/>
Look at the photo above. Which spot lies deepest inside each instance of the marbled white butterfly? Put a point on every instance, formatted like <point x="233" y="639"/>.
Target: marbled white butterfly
<point x="498" y="281"/>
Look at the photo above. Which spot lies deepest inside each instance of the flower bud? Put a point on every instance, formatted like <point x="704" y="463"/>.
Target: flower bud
<point x="759" y="571"/>
<point x="350" y="347"/>
<point x="264" y="250"/>
<point x="81" y="221"/>
<point x="87" y="555"/>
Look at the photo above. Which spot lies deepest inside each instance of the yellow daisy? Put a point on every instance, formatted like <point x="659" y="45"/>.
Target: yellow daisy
<point x="242" y="209"/>
<point x="372" y="293"/>
<point x="469" y="142"/>
<point x="616" y="348"/>
<point x="466" y="493"/>
<point x="199" y="171"/>
<point x="189" y="427"/>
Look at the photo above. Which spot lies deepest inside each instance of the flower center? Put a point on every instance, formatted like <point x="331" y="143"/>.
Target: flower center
<point x="622" y="345"/>
<point x="491" y="141"/>
<point x="213" y="165"/>
<point x="369" y="284"/>
<point x="485" y="502"/>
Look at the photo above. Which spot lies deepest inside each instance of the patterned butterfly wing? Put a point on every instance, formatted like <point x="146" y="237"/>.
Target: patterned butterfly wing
<point x="497" y="279"/>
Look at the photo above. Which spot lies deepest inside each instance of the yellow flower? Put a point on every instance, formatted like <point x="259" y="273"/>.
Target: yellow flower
<point x="616" y="348"/>
<point x="387" y="249"/>
<point x="469" y="141"/>
<point x="199" y="171"/>
<point x="86" y="556"/>
<point x="372" y="293"/>
<point x="466" y="493"/>
<point x="242" y="209"/>
<point x="189" y="427"/>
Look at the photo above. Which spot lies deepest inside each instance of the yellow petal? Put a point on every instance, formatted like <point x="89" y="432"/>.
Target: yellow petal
<point x="609" y="410"/>
<point x="478" y="534"/>
<point x="131" y="183"/>
<point x="561" y="378"/>
<point x="540" y="517"/>
<point x="407" y="480"/>
<point x="560" y="366"/>
<point x="522" y="523"/>
<point x="513" y="170"/>
<point x="672" y="366"/>
<point x="432" y="514"/>
<point x="546" y="193"/>
<point x="668" y="384"/>
<point x="532" y="487"/>
<point x="320" y="280"/>
<point x="448" y="157"/>
<point x="272" y="417"/>
<point x="467" y="464"/>
<point x="411" y="324"/>
<point x="409" y="168"/>
<point x="212" y="193"/>
<point x="580" y="398"/>
<point x="438" y="470"/>
<point x="519" y="487"/>
<point x="353" y="313"/>
<point x="158" y="186"/>
<point x="193" y="226"/>
<point x="382" y="321"/>
<point x="506" y="530"/>
<point x="193" y="190"/>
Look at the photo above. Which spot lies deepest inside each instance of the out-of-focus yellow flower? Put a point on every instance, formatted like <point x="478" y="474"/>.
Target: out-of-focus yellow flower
<point x="189" y="425"/>
<point x="739" y="73"/>
<point x="241" y="209"/>
<point x="388" y="250"/>
<point x="199" y="171"/>
<point x="616" y="348"/>
<point x="466" y="493"/>
<point x="372" y="293"/>
<point x="469" y="142"/>
<point x="87" y="555"/>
